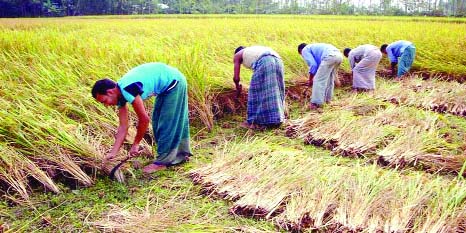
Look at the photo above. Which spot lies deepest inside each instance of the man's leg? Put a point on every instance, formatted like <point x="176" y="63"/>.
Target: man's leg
<point x="171" y="128"/>
<point x="335" y="61"/>
<point x="320" y="83"/>
<point x="406" y="61"/>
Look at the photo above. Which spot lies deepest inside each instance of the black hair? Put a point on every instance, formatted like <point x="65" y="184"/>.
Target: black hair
<point x="101" y="87"/>
<point x="383" y="47"/>
<point x="239" y="49"/>
<point x="346" y="51"/>
<point x="301" y="47"/>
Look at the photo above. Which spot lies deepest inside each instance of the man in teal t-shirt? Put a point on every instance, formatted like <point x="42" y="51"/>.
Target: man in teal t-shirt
<point x="170" y="116"/>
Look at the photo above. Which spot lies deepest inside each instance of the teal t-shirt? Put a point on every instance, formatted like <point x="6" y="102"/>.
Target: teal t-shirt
<point x="146" y="80"/>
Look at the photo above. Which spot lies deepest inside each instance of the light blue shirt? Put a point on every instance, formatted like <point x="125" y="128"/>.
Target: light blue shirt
<point x="313" y="54"/>
<point x="396" y="49"/>
<point x="146" y="80"/>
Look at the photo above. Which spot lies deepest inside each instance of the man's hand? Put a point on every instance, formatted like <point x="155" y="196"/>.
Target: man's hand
<point x="108" y="157"/>
<point x="239" y="88"/>
<point x="387" y="72"/>
<point x="134" y="151"/>
<point x="309" y="83"/>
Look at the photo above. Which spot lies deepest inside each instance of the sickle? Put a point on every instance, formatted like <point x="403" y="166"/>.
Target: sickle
<point x="114" y="169"/>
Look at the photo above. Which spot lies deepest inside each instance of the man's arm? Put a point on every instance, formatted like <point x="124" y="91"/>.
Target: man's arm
<point x="311" y="77"/>
<point x="121" y="131"/>
<point x="237" y="59"/>
<point x="393" y="68"/>
<point x="143" y="123"/>
<point x="311" y="62"/>
<point x="352" y="61"/>
<point x="393" y="60"/>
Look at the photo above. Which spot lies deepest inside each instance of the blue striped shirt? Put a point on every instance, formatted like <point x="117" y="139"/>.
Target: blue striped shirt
<point x="313" y="54"/>
<point x="396" y="49"/>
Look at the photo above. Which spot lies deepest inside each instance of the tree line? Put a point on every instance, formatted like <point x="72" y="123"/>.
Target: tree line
<point x="49" y="8"/>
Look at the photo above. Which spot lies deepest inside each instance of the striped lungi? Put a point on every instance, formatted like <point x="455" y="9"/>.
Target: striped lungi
<point x="266" y="96"/>
<point x="170" y="123"/>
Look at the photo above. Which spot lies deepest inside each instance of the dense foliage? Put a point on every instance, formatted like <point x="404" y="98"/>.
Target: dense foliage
<point x="38" y="8"/>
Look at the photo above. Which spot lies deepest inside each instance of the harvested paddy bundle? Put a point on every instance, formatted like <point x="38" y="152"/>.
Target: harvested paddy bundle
<point x="362" y="201"/>
<point x="374" y="201"/>
<point x="299" y="127"/>
<point x="300" y="192"/>
<point x="163" y="215"/>
<point x="312" y="204"/>
<point x="261" y="180"/>
<point x="226" y="176"/>
<point x="347" y="129"/>
<point x="329" y="130"/>
<point x="15" y="169"/>
<point x="261" y="201"/>
<point x="360" y="138"/>
<point x="267" y="193"/>
<point x="395" y="136"/>
<point x="423" y="149"/>
<point x="435" y="95"/>
<point x="342" y="131"/>
<point x="418" y="143"/>
<point x="444" y="210"/>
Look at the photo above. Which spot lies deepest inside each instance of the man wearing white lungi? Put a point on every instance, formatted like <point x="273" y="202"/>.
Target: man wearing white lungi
<point x="323" y="61"/>
<point x="363" y="62"/>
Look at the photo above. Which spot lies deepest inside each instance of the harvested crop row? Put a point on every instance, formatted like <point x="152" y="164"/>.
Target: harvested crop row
<point x="433" y="94"/>
<point x="391" y="135"/>
<point x="298" y="191"/>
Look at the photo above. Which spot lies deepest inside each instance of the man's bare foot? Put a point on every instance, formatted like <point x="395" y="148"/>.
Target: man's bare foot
<point x="315" y="107"/>
<point x="246" y="125"/>
<point x="151" y="168"/>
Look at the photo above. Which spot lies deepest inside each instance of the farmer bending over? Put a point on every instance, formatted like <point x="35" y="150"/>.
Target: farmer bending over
<point x="169" y="118"/>
<point x="323" y="61"/>
<point x="266" y="95"/>
<point x="363" y="62"/>
<point x="405" y="51"/>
